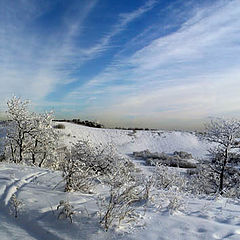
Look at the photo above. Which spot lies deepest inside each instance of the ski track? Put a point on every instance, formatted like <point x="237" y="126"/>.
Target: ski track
<point x="36" y="231"/>
<point x="14" y="187"/>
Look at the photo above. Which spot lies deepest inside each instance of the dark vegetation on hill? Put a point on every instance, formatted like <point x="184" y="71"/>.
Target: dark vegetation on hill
<point x="177" y="159"/>
<point x="85" y="123"/>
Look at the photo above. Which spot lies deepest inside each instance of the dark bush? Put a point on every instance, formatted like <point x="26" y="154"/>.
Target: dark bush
<point x="178" y="159"/>
<point x="2" y="157"/>
<point x="59" y="126"/>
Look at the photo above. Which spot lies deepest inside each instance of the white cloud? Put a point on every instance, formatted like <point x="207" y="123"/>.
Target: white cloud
<point x="124" y="20"/>
<point x="191" y="73"/>
<point x="33" y="63"/>
<point x="34" y="60"/>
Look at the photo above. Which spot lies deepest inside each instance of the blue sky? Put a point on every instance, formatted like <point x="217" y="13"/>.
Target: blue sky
<point x="125" y="62"/>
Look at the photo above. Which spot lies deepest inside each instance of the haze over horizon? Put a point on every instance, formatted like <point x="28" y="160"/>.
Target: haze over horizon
<point x="144" y="63"/>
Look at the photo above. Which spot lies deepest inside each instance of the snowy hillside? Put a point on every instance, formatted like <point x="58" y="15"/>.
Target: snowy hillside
<point x="40" y="191"/>
<point x="128" y="141"/>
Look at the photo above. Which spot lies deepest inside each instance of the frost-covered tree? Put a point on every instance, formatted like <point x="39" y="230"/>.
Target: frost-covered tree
<point x="30" y="136"/>
<point x="18" y="131"/>
<point x="44" y="140"/>
<point x="15" y="205"/>
<point x="86" y="163"/>
<point x="224" y="133"/>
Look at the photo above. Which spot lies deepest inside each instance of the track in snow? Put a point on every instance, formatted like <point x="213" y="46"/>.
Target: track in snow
<point x="14" y="187"/>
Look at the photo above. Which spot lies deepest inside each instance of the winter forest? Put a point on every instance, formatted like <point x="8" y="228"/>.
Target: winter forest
<point x="62" y="180"/>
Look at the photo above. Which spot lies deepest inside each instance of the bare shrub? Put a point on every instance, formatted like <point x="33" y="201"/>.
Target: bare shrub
<point x="206" y="181"/>
<point x="87" y="166"/>
<point x="175" y="200"/>
<point x="15" y="205"/>
<point x="66" y="210"/>
<point x="165" y="178"/>
<point x="127" y="192"/>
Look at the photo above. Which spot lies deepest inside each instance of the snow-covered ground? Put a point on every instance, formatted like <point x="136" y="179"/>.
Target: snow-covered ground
<point x="40" y="192"/>
<point x="127" y="141"/>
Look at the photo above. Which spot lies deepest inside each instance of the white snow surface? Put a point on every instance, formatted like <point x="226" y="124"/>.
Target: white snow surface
<point x="127" y="141"/>
<point x="40" y="191"/>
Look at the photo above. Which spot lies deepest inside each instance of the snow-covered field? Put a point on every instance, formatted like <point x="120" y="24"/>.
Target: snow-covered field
<point x="40" y="192"/>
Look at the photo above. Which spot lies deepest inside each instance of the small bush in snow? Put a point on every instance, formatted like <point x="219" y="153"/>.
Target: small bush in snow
<point x="125" y="194"/>
<point x="175" y="200"/>
<point x="77" y="176"/>
<point x="15" y="205"/>
<point x="171" y="187"/>
<point x="66" y="210"/>
<point x="166" y="178"/>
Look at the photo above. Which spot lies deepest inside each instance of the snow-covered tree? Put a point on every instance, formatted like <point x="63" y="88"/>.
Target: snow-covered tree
<point x="77" y="176"/>
<point x="30" y="136"/>
<point x="224" y="133"/>
<point x="19" y="128"/>
<point x="85" y="162"/>
<point x="44" y="139"/>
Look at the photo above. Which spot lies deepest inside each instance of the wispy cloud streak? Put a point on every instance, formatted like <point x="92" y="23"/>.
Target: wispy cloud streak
<point x="124" y="20"/>
<point x="193" y="72"/>
<point x="33" y="61"/>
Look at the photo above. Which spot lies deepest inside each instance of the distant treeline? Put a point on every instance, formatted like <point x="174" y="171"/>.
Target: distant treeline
<point x="85" y="123"/>
<point x="99" y="125"/>
<point x="136" y="129"/>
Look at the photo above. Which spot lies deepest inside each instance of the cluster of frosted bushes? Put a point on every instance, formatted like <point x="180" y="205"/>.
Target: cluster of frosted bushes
<point x="87" y="167"/>
<point x="177" y="159"/>
<point x="129" y="192"/>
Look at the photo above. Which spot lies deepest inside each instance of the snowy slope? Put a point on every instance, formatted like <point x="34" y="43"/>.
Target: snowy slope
<point x="202" y="219"/>
<point x="127" y="141"/>
<point x="40" y="191"/>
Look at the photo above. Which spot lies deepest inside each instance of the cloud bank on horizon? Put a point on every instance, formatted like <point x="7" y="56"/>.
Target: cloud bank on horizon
<point x="146" y="62"/>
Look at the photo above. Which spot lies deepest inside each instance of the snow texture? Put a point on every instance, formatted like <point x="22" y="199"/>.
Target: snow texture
<point x="41" y="190"/>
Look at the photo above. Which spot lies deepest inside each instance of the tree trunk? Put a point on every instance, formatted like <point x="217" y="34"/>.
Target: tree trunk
<point x="222" y="171"/>
<point x="12" y="152"/>
<point x="20" y="146"/>
<point x="33" y="154"/>
<point x="20" y="153"/>
<point x="44" y="157"/>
